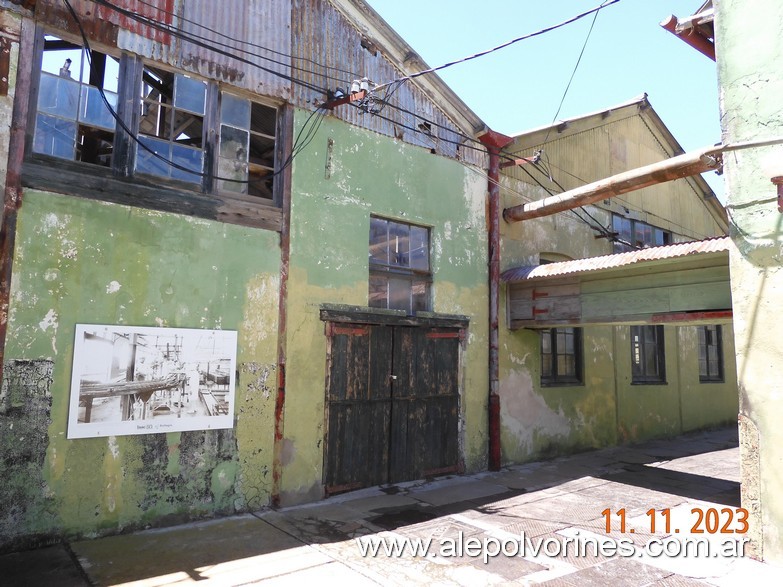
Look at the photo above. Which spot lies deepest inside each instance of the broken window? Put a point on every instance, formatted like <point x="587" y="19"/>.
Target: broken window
<point x="171" y="125"/>
<point x="72" y="120"/>
<point x="246" y="153"/>
<point x="634" y="234"/>
<point x="399" y="262"/>
<point x="648" y="359"/>
<point x="710" y="354"/>
<point x="182" y="128"/>
<point x="561" y="356"/>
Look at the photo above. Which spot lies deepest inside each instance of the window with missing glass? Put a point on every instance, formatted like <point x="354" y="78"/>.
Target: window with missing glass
<point x="165" y="128"/>
<point x="399" y="263"/>
<point x="633" y="234"/>
<point x="710" y="354"/>
<point x="648" y="357"/>
<point x="72" y="120"/>
<point x="561" y="356"/>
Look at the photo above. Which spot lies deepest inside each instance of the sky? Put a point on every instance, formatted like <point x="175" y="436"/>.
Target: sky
<point x="520" y="87"/>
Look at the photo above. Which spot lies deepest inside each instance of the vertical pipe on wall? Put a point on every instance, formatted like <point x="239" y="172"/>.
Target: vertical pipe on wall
<point x="284" y="147"/>
<point x="494" y="141"/>
<point x="12" y="199"/>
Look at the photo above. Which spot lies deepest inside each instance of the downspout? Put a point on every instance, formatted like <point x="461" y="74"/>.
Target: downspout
<point x="494" y="141"/>
<point x="12" y="191"/>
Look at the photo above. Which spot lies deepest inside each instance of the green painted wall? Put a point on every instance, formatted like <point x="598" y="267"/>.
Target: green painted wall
<point x="333" y="197"/>
<point x="79" y="261"/>
<point x="749" y="52"/>
<point x="538" y="421"/>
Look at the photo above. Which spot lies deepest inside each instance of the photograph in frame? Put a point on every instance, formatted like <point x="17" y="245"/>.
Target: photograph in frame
<point x="145" y="380"/>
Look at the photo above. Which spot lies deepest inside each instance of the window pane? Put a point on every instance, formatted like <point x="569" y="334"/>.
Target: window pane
<point x="148" y="163"/>
<point x="189" y="94"/>
<point x="379" y="241"/>
<point x="379" y="295"/>
<point x="399" y="244"/>
<point x="235" y="111"/>
<point x="400" y="294"/>
<point x="192" y="159"/>
<point x="546" y="366"/>
<point x="232" y="169"/>
<point x="234" y="143"/>
<point x="54" y="136"/>
<point x="93" y="110"/>
<point x="546" y="344"/>
<point x="421" y="296"/>
<point x="419" y="248"/>
<point x="58" y="96"/>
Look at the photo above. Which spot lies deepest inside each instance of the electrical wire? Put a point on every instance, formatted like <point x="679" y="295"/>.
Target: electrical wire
<point x="603" y="5"/>
<point x="294" y="151"/>
<point x="181" y="18"/>
<point x="573" y="73"/>
<point x="201" y="43"/>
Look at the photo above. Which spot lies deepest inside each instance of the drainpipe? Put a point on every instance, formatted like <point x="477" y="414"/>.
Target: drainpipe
<point x="494" y="141"/>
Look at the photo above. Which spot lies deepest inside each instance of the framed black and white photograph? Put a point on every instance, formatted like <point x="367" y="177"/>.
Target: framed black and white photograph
<point x="145" y="380"/>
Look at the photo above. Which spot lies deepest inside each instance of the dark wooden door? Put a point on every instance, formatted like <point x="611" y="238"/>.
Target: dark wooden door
<point x="392" y="405"/>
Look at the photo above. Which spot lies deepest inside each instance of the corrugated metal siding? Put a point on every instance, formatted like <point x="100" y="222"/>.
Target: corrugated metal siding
<point x="321" y="32"/>
<point x="327" y="54"/>
<point x="235" y="24"/>
<point x="615" y="147"/>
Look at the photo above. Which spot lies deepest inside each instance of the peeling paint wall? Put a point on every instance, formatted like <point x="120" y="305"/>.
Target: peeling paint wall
<point x="750" y="49"/>
<point x="330" y="224"/>
<point x="79" y="261"/>
<point x="541" y="421"/>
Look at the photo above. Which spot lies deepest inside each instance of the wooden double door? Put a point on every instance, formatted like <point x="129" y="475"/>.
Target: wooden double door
<point x="392" y="404"/>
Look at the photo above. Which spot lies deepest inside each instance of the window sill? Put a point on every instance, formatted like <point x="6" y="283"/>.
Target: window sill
<point x="562" y="384"/>
<point x="368" y="315"/>
<point x="649" y="383"/>
<point x="97" y="183"/>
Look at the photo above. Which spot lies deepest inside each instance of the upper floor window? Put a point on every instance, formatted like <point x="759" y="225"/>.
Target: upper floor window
<point x="72" y="121"/>
<point x="399" y="259"/>
<point x="184" y="130"/>
<point x="634" y="234"/>
<point x="561" y="356"/>
<point x="648" y="357"/>
<point x="710" y="354"/>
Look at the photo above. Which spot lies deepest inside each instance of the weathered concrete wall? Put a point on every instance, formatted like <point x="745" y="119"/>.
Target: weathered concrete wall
<point x="540" y="421"/>
<point x="334" y="194"/>
<point x="80" y="261"/>
<point x="750" y="49"/>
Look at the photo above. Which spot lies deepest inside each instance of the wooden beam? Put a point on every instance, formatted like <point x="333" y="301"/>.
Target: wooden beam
<point x="678" y="167"/>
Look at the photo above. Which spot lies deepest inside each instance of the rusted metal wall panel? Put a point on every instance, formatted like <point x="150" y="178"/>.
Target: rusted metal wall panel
<point x="259" y="31"/>
<point x="320" y="32"/>
<point x="328" y="52"/>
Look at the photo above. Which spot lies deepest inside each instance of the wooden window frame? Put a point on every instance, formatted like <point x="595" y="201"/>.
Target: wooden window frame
<point x="711" y="336"/>
<point x="553" y="378"/>
<point x="640" y="378"/>
<point x="121" y="183"/>
<point x="386" y="271"/>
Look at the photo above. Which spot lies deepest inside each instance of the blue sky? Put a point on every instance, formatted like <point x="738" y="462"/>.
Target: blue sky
<point x="519" y="87"/>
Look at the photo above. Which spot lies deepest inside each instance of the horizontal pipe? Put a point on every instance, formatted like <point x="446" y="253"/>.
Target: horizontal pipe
<point x="693" y="37"/>
<point x="678" y="167"/>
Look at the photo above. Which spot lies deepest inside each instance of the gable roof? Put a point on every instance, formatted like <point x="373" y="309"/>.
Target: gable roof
<point x="636" y="107"/>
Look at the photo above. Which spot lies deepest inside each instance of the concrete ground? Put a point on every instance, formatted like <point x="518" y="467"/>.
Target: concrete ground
<point x="536" y="524"/>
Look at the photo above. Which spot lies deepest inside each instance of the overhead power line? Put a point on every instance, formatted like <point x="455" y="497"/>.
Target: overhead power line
<point x="504" y="45"/>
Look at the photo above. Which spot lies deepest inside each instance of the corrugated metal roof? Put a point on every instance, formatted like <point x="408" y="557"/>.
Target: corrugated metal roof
<point x="526" y="272"/>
